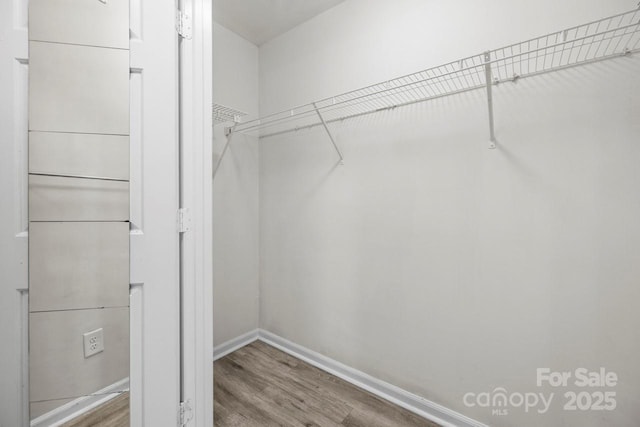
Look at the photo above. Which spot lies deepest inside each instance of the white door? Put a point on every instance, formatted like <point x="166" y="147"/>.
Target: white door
<point x="14" y="73"/>
<point x="155" y="309"/>
<point x="155" y="295"/>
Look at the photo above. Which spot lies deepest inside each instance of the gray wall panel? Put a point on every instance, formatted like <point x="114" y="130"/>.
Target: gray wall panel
<point x="78" y="89"/>
<point x="94" y="23"/>
<point x="78" y="265"/>
<point x="57" y="366"/>
<point x="79" y="169"/>
<point x="74" y="199"/>
<point x="105" y="156"/>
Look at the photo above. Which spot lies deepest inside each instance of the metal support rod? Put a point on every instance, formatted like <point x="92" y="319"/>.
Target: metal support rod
<point x="489" y="81"/>
<point x="229" y="132"/>
<point x="94" y="177"/>
<point x="329" y="133"/>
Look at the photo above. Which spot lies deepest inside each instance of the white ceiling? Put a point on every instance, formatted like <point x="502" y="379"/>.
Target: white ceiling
<point x="261" y="20"/>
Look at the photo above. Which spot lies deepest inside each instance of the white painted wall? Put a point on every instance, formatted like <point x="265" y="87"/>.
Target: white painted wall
<point x="235" y="192"/>
<point x="429" y="261"/>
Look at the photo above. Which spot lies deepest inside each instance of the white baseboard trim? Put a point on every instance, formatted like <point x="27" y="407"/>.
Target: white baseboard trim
<point x="80" y="406"/>
<point x="416" y="404"/>
<point x="234" y="344"/>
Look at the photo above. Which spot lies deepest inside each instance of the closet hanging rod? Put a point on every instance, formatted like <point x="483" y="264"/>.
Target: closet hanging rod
<point x="251" y="125"/>
<point x="332" y="104"/>
<point x="609" y="19"/>
<point x="587" y="43"/>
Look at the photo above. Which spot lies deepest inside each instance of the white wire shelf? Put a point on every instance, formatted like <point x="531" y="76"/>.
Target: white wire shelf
<point x="595" y="41"/>
<point x="222" y="114"/>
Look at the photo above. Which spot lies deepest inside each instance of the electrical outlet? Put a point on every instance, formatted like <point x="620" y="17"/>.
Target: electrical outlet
<point x="93" y="342"/>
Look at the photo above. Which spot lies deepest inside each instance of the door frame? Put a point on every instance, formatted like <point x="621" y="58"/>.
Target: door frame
<point x="196" y="136"/>
<point x="14" y="220"/>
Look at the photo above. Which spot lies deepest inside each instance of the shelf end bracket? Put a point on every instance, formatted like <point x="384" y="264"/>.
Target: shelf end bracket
<point x="228" y="132"/>
<point x="489" y="80"/>
<point x="326" y="128"/>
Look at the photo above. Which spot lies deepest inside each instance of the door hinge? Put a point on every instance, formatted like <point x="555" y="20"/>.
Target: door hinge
<point x="184" y="220"/>
<point x="183" y="24"/>
<point x="185" y="413"/>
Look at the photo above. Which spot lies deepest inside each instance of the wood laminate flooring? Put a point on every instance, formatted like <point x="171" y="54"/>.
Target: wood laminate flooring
<point x="114" y="413"/>
<point x="259" y="386"/>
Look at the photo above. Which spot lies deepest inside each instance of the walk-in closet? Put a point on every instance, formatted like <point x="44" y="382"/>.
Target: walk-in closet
<point x="328" y="213"/>
<point x="425" y="213"/>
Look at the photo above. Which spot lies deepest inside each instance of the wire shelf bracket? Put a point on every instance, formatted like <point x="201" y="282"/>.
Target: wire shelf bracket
<point x="489" y="84"/>
<point x="229" y="136"/>
<point x="222" y="114"/>
<point x="603" y="39"/>
<point x="326" y="128"/>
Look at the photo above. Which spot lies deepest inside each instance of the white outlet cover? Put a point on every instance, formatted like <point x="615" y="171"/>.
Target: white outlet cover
<point x="93" y="342"/>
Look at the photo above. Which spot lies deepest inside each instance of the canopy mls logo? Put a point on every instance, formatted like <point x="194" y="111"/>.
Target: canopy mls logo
<point x="499" y="400"/>
<point x="593" y="399"/>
